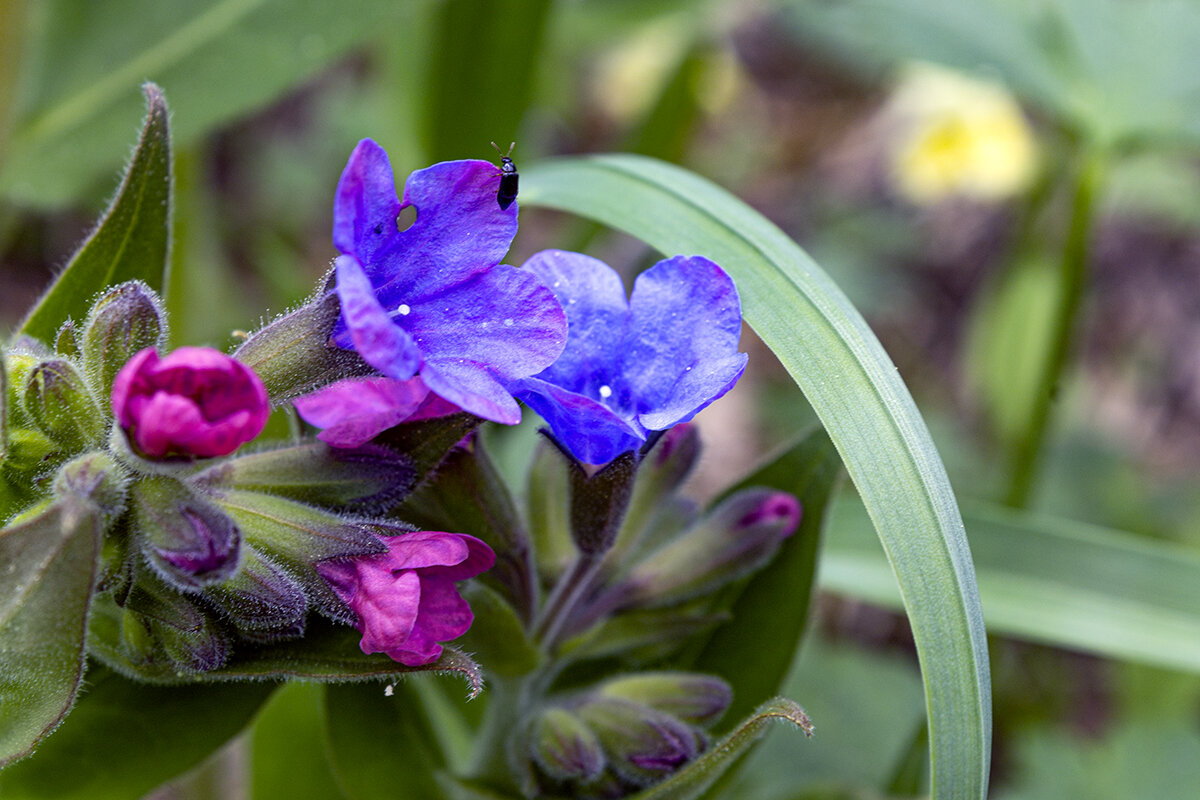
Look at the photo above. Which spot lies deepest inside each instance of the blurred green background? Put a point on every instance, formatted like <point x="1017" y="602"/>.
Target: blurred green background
<point x="1007" y="189"/>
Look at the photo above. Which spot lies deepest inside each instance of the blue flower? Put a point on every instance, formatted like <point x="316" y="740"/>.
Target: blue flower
<point x="636" y="366"/>
<point x="433" y="299"/>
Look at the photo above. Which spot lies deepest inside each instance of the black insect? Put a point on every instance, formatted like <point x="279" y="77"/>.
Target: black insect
<point x="507" y="192"/>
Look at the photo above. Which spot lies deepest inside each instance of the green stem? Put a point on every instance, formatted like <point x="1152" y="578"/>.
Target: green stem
<point x="1026" y="454"/>
<point x="506" y="703"/>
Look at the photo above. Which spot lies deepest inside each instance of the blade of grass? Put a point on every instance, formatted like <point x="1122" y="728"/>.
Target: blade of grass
<point x="1052" y="580"/>
<point x="852" y="385"/>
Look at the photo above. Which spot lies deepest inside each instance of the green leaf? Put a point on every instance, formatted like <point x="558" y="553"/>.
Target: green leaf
<point x="867" y="705"/>
<point x="132" y="241"/>
<point x="854" y="388"/>
<point x="125" y="738"/>
<point x="1010" y="342"/>
<point x="218" y="59"/>
<point x="327" y="653"/>
<point x="287" y="746"/>
<point x="1051" y="580"/>
<point x="691" y="781"/>
<point x="378" y="739"/>
<point x="497" y="637"/>
<point x="481" y="74"/>
<point x="50" y="564"/>
<point x="763" y="630"/>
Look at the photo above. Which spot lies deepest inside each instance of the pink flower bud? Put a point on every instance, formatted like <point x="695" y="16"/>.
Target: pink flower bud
<point x="195" y="402"/>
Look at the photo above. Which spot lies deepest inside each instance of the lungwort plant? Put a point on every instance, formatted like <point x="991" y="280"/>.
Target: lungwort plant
<point x="165" y="560"/>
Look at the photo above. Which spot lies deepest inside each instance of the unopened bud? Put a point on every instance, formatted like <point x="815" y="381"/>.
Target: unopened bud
<point x="172" y="627"/>
<point x="66" y="343"/>
<point x="262" y="600"/>
<point x="97" y="478"/>
<point x="691" y="696"/>
<point x="565" y="748"/>
<point x="738" y="537"/>
<point x="371" y="478"/>
<point x="124" y="320"/>
<point x="294" y="354"/>
<point x="189" y="541"/>
<point x="58" y="400"/>
<point x="643" y="745"/>
<point x="599" y="500"/>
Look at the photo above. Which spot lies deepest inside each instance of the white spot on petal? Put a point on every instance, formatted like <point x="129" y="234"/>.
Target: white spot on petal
<point x="403" y="309"/>
<point x="606" y="391"/>
<point x="508" y="322"/>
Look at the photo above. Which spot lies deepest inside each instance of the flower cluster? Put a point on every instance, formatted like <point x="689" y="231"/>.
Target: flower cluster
<point x="223" y="553"/>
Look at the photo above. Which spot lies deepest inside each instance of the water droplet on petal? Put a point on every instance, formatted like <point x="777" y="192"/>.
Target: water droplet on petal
<point x="403" y="309"/>
<point x="606" y="391"/>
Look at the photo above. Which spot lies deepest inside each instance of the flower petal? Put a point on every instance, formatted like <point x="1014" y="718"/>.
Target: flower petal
<point x="387" y="606"/>
<point x="365" y="206"/>
<point x="459" y="230"/>
<point x="593" y="297"/>
<point x="379" y="341"/>
<point x="594" y="433"/>
<point x="471" y="386"/>
<point x="421" y="549"/>
<point x="682" y="353"/>
<point x="444" y="614"/>
<point x="480" y="558"/>
<point x="504" y="318"/>
<point x="356" y="410"/>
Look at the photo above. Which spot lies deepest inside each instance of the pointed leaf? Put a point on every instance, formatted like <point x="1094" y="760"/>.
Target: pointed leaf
<point x="854" y="388"/>
<point x="50" y="564"/>
<point x="132" y="241"/>
<point x="125" y="738"/>
<point x="763" y="628"/>
<point x="691" y="781"/>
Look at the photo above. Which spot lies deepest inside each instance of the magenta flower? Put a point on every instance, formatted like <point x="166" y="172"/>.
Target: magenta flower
<point x="356" y="410"/>
<point x="405" y="599"/>
<point x="434" y="299"/>
<point x="195" y="402"/>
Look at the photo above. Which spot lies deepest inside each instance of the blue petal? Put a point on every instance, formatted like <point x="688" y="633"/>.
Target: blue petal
<point x="365" y="206"/>
<point x="471" y="386"/>
<point x="593" y="297"/>
<point x="592" y="432"/>
<point x="682" y="351"/>
<point x="459" y="231"/>
<point x="503" y="318"/>
<point x="381" y="343"/>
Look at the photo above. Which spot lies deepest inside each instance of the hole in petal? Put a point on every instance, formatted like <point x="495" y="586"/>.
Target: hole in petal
<point x="408" y="215"/>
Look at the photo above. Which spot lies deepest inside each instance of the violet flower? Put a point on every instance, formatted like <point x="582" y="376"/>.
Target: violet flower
<point x="433" y="299"/>
<point x="356" y="410"/>
<point x="636" y="366"/>
<point x="405" y="599"/>
<point x="195" y="402"/>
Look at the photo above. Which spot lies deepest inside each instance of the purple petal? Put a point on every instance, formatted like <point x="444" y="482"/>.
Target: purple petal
<point x="504" y="318"/>
<point x="421" y="549"/>
<point x="459" y="230"/>
<point x="593" y="297"/>
<point x="365" y="206"/>
<point x="594" y="433"/>
<point x="444" y="614"/>
<point x="387" y="606"/>
<point x="354" y="411"/>
<point x="380" y="342"/>
<point x="685" y="321"/>
<point x="480" y="558"/>
<point x="472" y="388"/>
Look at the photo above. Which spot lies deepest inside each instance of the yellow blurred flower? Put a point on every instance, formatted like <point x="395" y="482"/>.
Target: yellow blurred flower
<point x="958" y="136"/>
